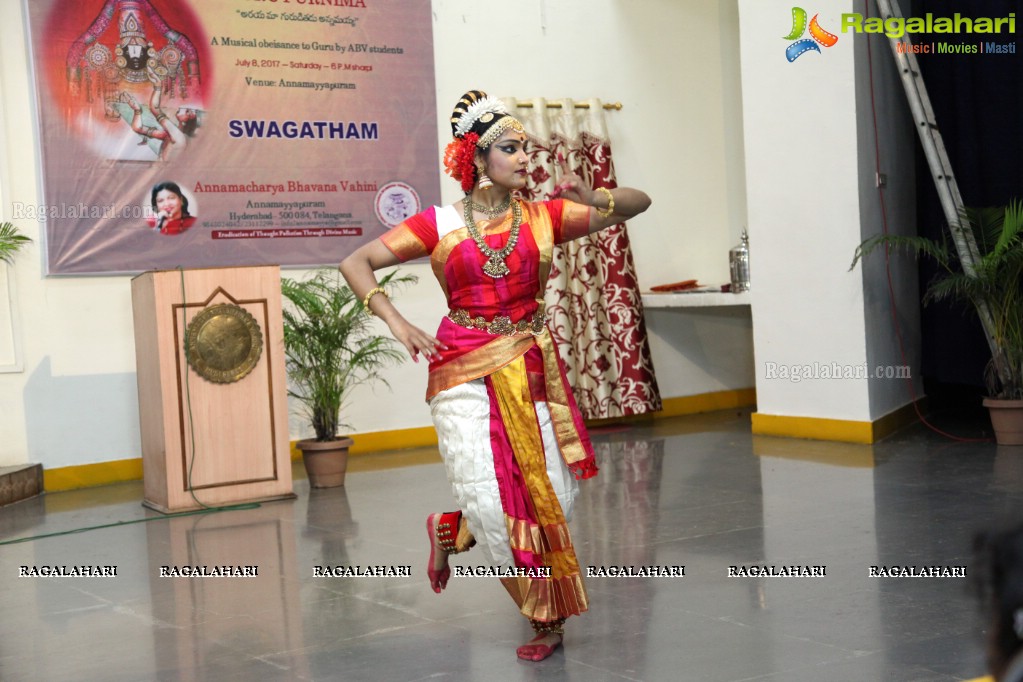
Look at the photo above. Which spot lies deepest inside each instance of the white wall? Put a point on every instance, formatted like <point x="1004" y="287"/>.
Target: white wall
<point x="896" y="144"/>
<point x="810" y="180"/>
<point x="672" y="63"/>
<point x="801" y="170"/>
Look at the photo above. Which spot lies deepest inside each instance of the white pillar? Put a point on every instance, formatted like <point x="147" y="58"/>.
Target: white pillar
<point x="810" y="177"/>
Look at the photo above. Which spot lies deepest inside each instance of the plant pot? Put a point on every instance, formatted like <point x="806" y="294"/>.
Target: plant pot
<point x="1007" y="420"/>
<point x="325" y="461"/>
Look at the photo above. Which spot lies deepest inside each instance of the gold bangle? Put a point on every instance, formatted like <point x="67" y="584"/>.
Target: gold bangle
<point x="606" y="212"/>
<point x="371" y="294"/>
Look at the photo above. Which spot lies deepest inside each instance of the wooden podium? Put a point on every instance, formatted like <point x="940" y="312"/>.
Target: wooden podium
<point x="211" y="438"/>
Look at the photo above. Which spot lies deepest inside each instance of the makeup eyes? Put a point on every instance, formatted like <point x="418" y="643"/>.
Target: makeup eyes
<point x="511" y="149"/>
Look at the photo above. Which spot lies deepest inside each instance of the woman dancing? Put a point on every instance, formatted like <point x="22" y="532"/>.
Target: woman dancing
<point x="509" y="431"/>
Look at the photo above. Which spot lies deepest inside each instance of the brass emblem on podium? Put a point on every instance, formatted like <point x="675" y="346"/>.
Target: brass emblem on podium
<point x="223" y="343"/>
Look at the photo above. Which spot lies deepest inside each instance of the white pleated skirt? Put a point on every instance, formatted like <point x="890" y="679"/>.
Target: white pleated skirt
<point x="461" y="416"/>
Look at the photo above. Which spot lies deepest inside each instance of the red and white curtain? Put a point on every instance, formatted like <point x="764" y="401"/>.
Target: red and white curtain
<point x="593" y="294"/>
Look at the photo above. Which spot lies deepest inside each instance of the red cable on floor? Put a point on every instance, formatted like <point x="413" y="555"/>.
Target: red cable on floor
<point x="887" y="252"/>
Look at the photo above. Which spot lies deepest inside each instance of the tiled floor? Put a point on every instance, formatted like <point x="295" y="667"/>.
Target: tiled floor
<point x="699" y="492"/>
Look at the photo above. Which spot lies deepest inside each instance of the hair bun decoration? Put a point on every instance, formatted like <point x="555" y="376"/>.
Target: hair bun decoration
<point x="481" y="111"/>
<point x="471" y="107"/>
<point x="488" y="117"/>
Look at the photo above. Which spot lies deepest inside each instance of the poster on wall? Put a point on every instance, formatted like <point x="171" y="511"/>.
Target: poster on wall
<point x="210" y="133"/>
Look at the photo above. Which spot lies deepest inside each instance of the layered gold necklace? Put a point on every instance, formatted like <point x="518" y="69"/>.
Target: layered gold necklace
<point x="491" y="212"/>
<point x="495" y="266"/>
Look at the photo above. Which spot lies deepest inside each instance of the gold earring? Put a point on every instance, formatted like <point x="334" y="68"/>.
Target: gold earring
<point x="485" y="182"/>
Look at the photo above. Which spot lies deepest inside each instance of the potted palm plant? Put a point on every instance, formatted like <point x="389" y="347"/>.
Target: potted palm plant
<point x="330" y="348"/>
<point x="11" y="241"/>
<point x="995" y="285"/>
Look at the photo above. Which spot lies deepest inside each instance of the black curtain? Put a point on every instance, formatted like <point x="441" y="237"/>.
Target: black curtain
<point x="978" y="104"/>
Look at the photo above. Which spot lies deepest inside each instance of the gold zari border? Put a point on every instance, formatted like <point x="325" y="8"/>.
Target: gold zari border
<point x="562" y="594"/>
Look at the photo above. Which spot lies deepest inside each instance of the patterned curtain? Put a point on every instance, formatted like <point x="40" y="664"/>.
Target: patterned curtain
<point x="593" y="295"/>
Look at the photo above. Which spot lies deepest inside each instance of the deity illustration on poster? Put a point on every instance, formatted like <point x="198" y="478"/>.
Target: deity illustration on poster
<point x="136" y="82"/>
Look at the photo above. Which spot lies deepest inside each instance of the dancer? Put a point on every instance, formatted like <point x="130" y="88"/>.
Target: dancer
<point x="509" y="431"/>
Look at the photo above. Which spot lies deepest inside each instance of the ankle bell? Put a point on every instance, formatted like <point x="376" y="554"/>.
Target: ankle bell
<point x="553" y="627"/>
<point x="453" y="534"/>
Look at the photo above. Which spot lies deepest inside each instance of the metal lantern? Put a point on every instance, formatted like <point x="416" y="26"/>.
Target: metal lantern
<point x="738" y="262"/>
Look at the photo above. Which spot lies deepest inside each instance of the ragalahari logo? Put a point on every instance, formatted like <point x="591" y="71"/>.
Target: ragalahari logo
<point x="817" y="35"/>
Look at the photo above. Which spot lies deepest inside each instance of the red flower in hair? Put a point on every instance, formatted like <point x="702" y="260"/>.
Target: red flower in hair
<point x="459" y="160"/>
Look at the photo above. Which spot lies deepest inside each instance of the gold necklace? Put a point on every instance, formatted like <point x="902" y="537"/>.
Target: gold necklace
<point x="495" y="266"/>
<point x="492" y="212"/>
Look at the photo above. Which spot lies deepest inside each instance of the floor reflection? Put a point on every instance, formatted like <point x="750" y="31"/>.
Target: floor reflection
<point x="698" y="492"/>
<point x="207" y="618"/>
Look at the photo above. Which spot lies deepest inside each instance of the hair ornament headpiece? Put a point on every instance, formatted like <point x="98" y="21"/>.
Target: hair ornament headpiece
<point x="482" y="110"/>
<point x="488" y="117"/>
<point x="497" y="129"/>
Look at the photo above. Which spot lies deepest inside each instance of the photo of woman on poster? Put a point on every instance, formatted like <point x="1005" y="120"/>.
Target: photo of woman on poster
<point x="170" y="208"/>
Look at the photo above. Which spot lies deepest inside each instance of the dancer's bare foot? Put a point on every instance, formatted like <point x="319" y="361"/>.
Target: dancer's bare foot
<point x="438" y="568"/>
<point x="540" y="647"/>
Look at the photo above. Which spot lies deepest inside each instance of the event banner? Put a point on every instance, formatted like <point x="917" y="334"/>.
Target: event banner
<point x="208" y="133"/>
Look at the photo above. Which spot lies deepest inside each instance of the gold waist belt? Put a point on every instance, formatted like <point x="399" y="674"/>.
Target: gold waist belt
<point x="501" y="324"/>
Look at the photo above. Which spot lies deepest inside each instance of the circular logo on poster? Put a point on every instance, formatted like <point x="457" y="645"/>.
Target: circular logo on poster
<point x="395" y="202"/>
